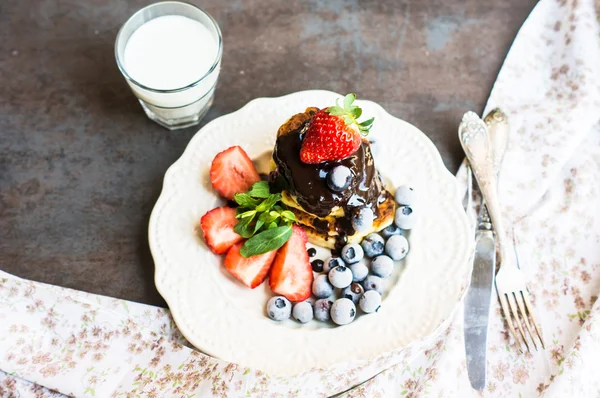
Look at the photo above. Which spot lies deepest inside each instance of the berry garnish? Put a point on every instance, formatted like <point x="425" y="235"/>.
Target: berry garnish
<point x="396" y="247"/>
<point x="317" y="265"/>
<point x="334" y="133"/>
<point x="232" y="171"/>
<point x="370" y="301"/>
<point x="340" y="276"/>
<point x="279" y="308"/>
<point x="291" y="274"/>
<point x="251" y="271"/>
<point x="303" y="312"/>
<point x="339" y="178"/>
<point x="352" y="253"/>
<point x="382" y="266"/>
<point x="353" y="292"/>
<point x="343" y="311"/>
<point x="373" y="245"/>
<point x="321" y="310"/>
<point x="332" y="262"/>
<point x="218" y="228"/>
<point x="321" y="287"/>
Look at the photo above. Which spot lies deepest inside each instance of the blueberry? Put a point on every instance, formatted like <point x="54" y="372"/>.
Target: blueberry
<point x="382" y="266"/>
<point x="343" y="311"/>
<point x="405" y="195"/>
<point x="340" y="276"/>
<point x="353" y="292"/>
<point x="359" y="272"/>
<point x="373" y="282"/>
<point x="362" y="220"/>
<point x="352" y="253"/>
<point x="332" y="262"/>
<point x="391" y="230"/>
<point x="405" y="217"/>
<point x="303" y="312"/>
<point x="317" y="265"/>
<point x="321" y="287"/>
<point x="279" y="308"/>
<point x="396" y="247"/>
<point x="370" y="301"/>
<point x="339" y="178"/>
<point x="322" y="308"/>
<point x="373" y="245"/>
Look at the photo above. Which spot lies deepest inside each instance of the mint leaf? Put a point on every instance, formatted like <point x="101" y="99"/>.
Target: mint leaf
<point x="288" y="215"/>
<point x="243" y="228"/>
<point x="266" y="241"/>
<point x="259" y="225"/>
<point x="249" y="213"/>
<point x="268" y="202"/>
<point x="268" y="218"/>
<point x="245" y="200"/>
<point x="259" y="190"/>
<point x="273" y="225"/>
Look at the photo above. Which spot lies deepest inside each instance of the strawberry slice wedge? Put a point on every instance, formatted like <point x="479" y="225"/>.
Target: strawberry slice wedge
<point x="232" y="171"/>
<point x="217" y="226"/>
<point x="291" y="274"/>
<point x="251" y="271"/>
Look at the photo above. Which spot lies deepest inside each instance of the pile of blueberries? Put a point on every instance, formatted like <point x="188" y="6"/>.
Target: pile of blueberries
<point x="359" y="285"/>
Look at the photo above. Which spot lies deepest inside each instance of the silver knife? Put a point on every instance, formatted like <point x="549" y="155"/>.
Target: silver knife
<point x="478" y="300"/>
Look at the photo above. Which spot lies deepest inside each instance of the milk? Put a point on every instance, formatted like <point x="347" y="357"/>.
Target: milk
<point x="170" y="55"/>
<point x="170" y="52"/>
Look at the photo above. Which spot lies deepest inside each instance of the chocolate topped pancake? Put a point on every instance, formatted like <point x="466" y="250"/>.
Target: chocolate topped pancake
<point x="326" y="213"/>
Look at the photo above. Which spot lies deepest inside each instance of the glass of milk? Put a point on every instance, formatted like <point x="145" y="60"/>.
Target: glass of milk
<point x="170" y="54"/>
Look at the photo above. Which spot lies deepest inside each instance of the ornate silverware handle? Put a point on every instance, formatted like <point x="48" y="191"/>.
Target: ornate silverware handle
<point x="498" y="127"/>
<point x="475" y="140"/>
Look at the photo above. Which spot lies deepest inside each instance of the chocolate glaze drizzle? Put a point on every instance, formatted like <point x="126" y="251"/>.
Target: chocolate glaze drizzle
<point x="307" y="182"/>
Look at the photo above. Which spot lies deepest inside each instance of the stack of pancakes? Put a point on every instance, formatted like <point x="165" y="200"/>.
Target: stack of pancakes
<point x="327" y="215"/>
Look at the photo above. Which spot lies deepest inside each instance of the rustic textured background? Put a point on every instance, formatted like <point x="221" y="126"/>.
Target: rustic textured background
<point x="81" y="166"/>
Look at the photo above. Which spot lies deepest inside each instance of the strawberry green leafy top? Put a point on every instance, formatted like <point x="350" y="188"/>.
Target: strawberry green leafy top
<point x="350" y="113"/>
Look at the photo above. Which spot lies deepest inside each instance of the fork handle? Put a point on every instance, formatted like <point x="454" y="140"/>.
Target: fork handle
<point x="498" y="128"/>
<point x="475" y="140"/>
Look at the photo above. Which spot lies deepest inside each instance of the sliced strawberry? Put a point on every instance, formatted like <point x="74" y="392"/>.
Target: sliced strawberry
<point x="291" y="274"/>
<point x="217" y="226"/>
<point x="251" y="271"/>
<point x="232" y="171"/>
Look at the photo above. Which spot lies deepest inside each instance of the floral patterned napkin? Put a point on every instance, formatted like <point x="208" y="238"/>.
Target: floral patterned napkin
<point x="56" y="341"/>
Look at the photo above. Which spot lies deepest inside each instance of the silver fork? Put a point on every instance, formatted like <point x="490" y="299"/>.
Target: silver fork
<point x="510" y="281"/>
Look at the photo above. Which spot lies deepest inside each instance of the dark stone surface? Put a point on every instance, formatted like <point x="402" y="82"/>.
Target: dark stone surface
<point x="81" y="166"/>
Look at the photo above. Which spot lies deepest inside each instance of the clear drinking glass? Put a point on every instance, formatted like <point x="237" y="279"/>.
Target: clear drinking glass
<point x="179" y="107"/>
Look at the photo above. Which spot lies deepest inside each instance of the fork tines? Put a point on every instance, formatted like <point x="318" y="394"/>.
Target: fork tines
<point x="516" y="307"/>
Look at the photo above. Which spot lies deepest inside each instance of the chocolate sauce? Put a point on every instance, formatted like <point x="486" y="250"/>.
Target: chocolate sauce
<point x="307" y="182"/>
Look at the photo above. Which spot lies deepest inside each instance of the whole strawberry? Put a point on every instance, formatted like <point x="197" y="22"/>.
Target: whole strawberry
<point x="334" y="133"/>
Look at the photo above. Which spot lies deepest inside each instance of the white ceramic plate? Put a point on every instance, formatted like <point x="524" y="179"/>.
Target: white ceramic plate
<point x="225" y="319"/>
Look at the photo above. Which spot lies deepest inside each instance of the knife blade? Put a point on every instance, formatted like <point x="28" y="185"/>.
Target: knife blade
<point x="478" y="300"/>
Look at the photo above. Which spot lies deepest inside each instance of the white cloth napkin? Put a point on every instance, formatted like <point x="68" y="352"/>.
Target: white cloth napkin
<point x="85" y="345"/>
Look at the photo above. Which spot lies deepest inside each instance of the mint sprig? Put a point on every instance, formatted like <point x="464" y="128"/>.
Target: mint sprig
<point x="266" y="241"/>
<point x="350" y="113"/>
<point x="262" y="220"/>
